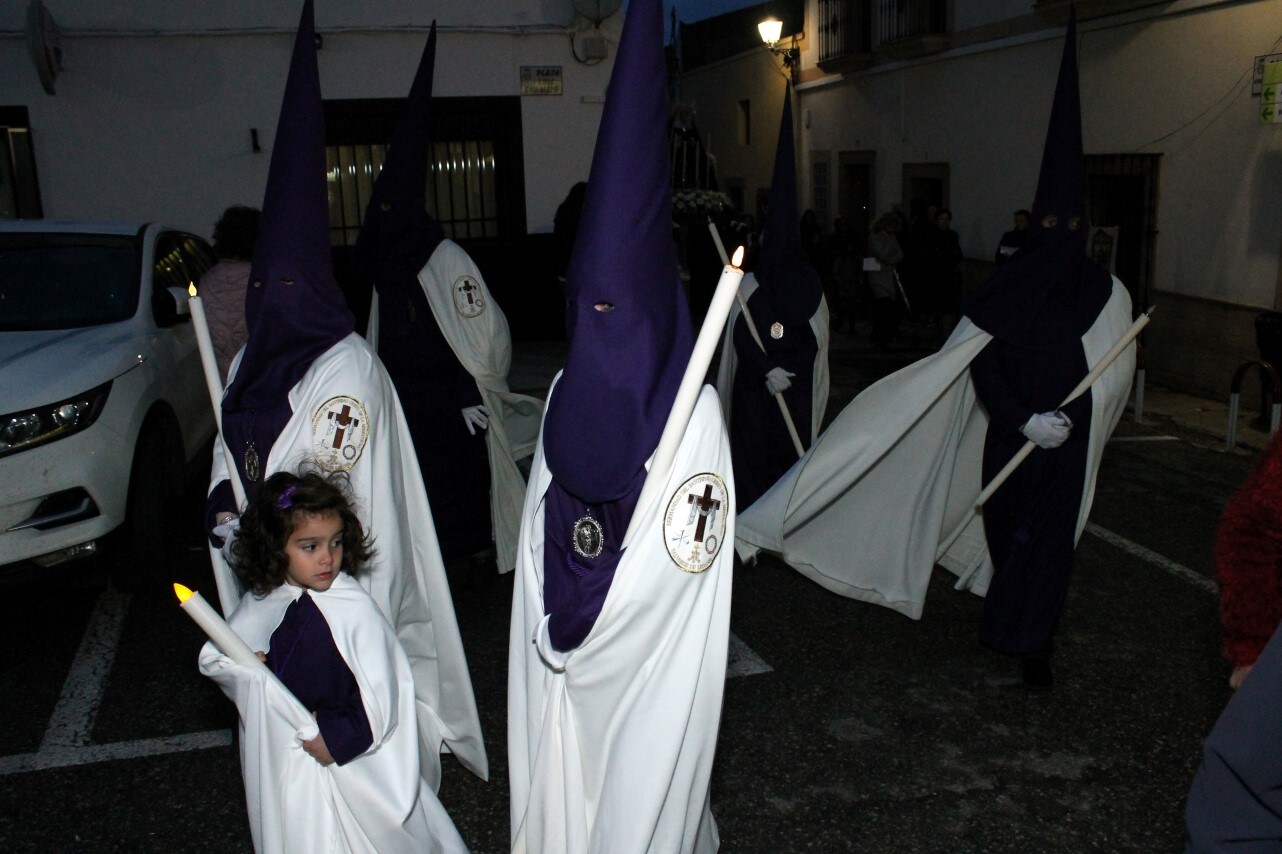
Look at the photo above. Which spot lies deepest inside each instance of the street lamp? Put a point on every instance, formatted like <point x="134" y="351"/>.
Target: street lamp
<point x="771" y="29"/>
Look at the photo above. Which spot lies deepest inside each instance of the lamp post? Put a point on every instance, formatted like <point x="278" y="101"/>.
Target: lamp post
<point x="771" y="29"/>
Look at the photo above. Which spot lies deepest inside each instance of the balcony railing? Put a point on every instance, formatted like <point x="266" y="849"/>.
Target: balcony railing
<point x="851" y="31"/>
<point x="902" y="20"/>
<point x="845" y="30"/>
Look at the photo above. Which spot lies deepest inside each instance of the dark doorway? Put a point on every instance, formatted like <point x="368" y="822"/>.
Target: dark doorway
<point x="1121" y="193"/>
<point x="925" y="185"/>
<point x="856" y="197"/>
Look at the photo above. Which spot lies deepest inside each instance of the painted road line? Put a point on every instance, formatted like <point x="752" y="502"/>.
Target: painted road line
<point x="1178" y="570"/>
<point x="73" y="717"/>
<point x="87" y="754"/>
<point x="743" y="661"/>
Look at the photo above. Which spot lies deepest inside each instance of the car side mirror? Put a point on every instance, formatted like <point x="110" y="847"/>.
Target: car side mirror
<point x="171" y="307"/>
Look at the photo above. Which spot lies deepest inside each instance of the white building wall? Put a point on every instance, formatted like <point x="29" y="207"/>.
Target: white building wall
<point x="155" y="103"/>
<point x="1169" y="78"/>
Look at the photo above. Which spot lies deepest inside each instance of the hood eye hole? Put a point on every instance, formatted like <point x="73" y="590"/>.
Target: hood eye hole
<point x="604" y="307"/>
<point x="286" y="280"/>
<point x="258" y="283"/>
<point x="384" y="206"/>
<point x="1050" y="221"/>
<point x="1075" y="223"/>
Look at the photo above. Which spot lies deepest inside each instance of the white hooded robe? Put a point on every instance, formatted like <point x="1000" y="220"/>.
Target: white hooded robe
<point x="346" y="416"/>
<point x="614" y="753"/>
<point x="376" y="803"/>
<point x="477" y="331"/>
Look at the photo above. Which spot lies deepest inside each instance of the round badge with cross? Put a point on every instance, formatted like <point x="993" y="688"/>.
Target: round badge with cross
<point x="340" y="429"/>
<point x="694" y="526"/>
<point x="469" y="297"/>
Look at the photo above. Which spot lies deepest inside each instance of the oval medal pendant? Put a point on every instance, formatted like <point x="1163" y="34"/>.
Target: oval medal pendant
<point x="251" y="462"/>
<point x="776" y="330"/>
<point x="588" y="538"/>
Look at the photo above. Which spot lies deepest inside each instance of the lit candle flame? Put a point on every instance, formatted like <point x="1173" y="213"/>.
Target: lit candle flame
<point x="183" y="593"/>
<point x="738" y="257"/>
<point x="191" y="289"/>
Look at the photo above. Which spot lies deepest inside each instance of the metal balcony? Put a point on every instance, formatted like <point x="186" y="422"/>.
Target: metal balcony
<point x="845" y="35"/>
<point x="911" y="28"/>
<point x="854" y="33"/>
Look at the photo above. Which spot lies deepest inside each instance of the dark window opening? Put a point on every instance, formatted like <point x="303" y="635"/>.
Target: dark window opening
<point x="19" y="187"/>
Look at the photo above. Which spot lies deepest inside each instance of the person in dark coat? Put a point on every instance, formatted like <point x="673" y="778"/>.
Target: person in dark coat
<point x="1014" y="240"/>
<point x="1037" y="307"/>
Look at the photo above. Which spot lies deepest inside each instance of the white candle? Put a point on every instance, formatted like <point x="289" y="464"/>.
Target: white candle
<point x="232" y="646"/>
<point x="688" y="392"/>
<point x="216" y="627"/>
<point x="214" y="382"/>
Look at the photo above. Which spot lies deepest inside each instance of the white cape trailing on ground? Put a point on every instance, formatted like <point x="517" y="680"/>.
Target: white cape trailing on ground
<point x="863" y="513"/>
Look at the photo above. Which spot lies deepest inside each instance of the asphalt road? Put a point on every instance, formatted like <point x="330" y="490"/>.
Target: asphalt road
<point x="846" y="727"/>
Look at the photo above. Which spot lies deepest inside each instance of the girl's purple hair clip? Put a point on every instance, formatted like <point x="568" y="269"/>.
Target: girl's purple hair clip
<point x="286" y="499"/>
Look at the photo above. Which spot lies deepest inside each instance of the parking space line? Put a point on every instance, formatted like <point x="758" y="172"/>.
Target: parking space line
<point x="1178" y="570"/>
<point x="67" y="739"/>
<point x="72" y="720"/>
<point x="743" y="661"/>
<point x="87" y="754"/>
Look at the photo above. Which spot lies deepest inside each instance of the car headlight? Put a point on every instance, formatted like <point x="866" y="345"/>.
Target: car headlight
<point x="28" y="428"/>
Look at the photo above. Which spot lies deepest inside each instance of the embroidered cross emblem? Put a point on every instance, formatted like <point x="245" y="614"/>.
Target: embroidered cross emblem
<point x="706" y="507"/>
<point x="342" y="421"/>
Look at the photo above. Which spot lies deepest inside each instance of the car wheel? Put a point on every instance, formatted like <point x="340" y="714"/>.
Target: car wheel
<point x="141" y="546"/>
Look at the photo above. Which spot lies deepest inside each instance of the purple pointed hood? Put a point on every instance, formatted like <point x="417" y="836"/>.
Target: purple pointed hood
<point x="1050" y="291"/>
<point x="626" y="315"/>
<point x="788" y="281"/>
<point x="294" y="309"/>
<point x="398" y="235"/>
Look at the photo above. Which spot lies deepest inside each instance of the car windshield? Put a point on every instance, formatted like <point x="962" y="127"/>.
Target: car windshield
<point x="62" y="281"/>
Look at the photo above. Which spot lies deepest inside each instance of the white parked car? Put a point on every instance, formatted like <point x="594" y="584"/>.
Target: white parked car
<point x="103" y="404"/>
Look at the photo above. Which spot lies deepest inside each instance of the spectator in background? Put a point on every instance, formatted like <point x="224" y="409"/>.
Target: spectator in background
<point x="222" y="288"/>
<point x="941" y="271"/>
<point x="885" y="254"/>
<point x="847" y="276"/>
<point x="1015" y="238"/>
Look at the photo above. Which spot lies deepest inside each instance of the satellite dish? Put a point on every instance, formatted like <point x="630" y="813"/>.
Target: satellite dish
<point x="596" y="10"/>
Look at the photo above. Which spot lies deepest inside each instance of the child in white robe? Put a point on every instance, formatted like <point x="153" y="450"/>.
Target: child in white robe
<point x="329" y="748"/>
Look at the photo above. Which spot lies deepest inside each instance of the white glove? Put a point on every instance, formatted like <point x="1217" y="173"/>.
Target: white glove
<point x="1047" y="429"/>
<point x="474" y="417"/>
<point x="777" y="380"/>
<point x="227" y="531"/>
